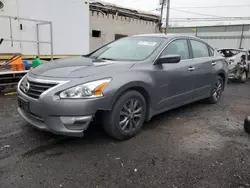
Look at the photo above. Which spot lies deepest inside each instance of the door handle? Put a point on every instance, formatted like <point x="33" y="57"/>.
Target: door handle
<point x="214" y="63"/>
<point x="191" y="68"/>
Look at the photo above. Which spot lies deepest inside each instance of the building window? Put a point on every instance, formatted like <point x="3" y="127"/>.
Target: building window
<point x="118" y="36"/>
<point x="96" y="33"/>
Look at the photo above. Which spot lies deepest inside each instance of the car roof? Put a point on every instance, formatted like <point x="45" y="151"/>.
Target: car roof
<point x="168" y="36"/>
<point x="171" y="36"/>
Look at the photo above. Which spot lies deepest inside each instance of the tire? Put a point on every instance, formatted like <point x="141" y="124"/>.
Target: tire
<point x="247" y="124"/>
<point x="121" y="123"/>
<point x="216" y="91"/>
<point x="243" y="77"/>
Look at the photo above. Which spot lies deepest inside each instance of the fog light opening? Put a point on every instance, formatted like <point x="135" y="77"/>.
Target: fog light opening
<point x="76" y="123"/>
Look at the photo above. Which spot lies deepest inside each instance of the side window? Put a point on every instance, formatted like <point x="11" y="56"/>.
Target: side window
<point x="199" y="49"/>
<point x="177" y="47"/>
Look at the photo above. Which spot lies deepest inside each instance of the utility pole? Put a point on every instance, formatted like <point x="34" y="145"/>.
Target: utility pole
<point x="167" y="17"/>
<point x="162" y="8"/>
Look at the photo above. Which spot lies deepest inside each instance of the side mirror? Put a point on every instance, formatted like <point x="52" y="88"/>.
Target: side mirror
<point x="168" y="59"/>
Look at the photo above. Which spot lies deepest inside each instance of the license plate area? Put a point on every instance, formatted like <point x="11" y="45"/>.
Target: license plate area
<point x="23" y="104"/>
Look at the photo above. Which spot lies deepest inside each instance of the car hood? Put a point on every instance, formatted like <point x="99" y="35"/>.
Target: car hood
<point x="79" y="67"/>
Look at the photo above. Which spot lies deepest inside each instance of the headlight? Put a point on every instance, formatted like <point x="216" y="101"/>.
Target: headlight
<point x="88" y="90"/>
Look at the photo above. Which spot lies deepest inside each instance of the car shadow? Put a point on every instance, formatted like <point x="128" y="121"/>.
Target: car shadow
<point x="95" y="134"/>
<point x="157" y="120"/>
<point x="48" y="141"/>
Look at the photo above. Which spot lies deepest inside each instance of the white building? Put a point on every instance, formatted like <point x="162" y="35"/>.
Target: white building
<point x="65" y="28"/>
<point x="109" y="22"/>
<point x="45" y="27"/>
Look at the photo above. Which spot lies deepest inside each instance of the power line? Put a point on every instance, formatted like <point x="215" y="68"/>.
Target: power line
<point x="189" y="12"/>
<point x="201" y="19"/>
<point x="229" y="6"/>
<point x="196" y="13"/>
<point x="155" y="9"/>
<point x="191" y="21"/>
<point x="209" y="19"/>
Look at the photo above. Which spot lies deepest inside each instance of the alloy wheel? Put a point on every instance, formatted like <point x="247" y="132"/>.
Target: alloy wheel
<point x="217" y="89"/>
<point x="130" y="115"/>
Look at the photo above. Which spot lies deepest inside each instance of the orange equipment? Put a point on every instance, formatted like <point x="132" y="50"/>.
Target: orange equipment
<point x="17" y="64"/>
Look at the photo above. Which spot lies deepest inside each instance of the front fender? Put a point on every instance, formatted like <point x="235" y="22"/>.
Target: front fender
<point x="123" y="82"/>
<point x="131" y="85"/>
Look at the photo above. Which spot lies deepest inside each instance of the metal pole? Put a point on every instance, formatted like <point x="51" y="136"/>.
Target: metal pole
<point x="11" y="34"/>
<point x="51" y="40"/>
<point x="29" y="41"/>
<point x="37" y="38"/>
<point x="167" y="18"/>
<point x="242" y="35"/>
<point x="162" y="7"/>
<point x="25" y="19"/>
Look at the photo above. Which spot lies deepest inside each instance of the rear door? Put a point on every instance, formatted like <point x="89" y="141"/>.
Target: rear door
<point x="204" y="62"/>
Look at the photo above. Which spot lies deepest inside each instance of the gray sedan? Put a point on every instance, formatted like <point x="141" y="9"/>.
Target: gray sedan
<point x="127" y="82"/>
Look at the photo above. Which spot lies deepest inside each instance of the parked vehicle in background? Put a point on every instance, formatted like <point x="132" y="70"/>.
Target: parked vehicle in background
<point x="238" y="61"/>
<point x="247" y="124"/>
<point x="127" y="81"/>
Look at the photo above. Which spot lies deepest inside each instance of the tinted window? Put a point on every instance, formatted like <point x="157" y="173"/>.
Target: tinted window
<point x="131" y="48"/>
<point x="179" y="47"/>
<point x="199" y="49"/>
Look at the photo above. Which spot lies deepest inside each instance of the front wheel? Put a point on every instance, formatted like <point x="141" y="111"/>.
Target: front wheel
<point x="127" y="116"/>
<point x="216" y="91"/>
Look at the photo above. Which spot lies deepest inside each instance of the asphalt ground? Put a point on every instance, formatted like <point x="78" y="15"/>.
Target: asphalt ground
<point x="196" y="146"/>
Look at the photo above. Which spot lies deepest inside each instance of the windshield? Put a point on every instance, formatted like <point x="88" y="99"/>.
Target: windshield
<point x="129" y="49"/>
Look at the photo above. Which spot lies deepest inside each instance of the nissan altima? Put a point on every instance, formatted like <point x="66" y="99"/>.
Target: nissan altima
<point x="127" y="81"/>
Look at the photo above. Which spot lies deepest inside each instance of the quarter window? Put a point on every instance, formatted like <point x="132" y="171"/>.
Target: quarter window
<point x="199" y="49"/>
<point x="177" y="47"/>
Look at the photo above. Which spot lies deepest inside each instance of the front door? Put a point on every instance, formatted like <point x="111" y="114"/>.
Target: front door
<point x="176" y="81"/>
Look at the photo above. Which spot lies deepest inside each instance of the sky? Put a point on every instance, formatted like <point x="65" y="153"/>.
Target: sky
<point x="218" y="9"/>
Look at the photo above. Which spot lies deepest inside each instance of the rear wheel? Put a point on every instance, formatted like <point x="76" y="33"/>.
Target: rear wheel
<point x="127" y="116"/>
<point x="216" y="91"/>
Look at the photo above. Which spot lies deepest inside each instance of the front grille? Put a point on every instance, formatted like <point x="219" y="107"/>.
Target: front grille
<point x="35" y="89"/>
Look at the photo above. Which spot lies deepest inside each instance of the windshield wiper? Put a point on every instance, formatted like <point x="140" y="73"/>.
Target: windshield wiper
<point x="104" y="58"/>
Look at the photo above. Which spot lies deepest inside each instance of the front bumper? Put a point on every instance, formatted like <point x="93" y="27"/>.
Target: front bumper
<point x="55" y="124"/>
<point x="70" y="117"/>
